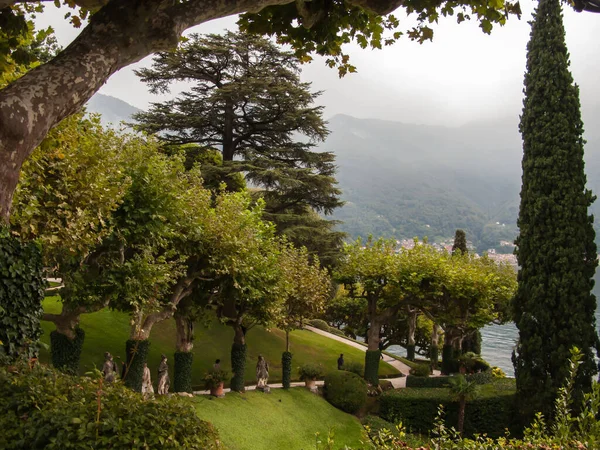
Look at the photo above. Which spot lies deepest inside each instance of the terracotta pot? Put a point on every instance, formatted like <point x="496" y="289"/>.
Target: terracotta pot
<point x="310" y="384"/>
<point x="217" y="391"/>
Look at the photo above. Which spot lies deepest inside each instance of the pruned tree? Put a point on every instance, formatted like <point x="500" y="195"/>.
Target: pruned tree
<point x="125" y="31"/>
<point x="305" y="289"/>
<point x="554" y="306"/>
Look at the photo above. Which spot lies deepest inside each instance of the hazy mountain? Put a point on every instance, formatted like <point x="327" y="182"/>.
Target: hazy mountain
<point x="113" y="110"/>
<point x="402" y="180"/>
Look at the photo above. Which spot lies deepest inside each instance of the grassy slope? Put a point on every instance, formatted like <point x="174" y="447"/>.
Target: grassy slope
<point x="280" y="420"/>
<point x="108" y="330"/>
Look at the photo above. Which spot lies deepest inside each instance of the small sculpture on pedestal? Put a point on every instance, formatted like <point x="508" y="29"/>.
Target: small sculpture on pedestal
<point x="147" y="388"/>
<point x="163" y="376"/>
<point x="109" y="369"/>
<point x="262" y="374"/>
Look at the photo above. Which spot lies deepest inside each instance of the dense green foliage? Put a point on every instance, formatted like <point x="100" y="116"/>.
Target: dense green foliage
<point x="492" y="412"/>
<point x="45" y="409"/>
<point x="554" y="307"/>
<point x="65" y="352"/>
<point x="310" y="371"/>
<point x="415" y="381"/>
<point x="182" y="378"/>
<point x="420" y="370"/>
<point x="238" y="366"/>
<point x="137" y="354"/>
<point x="286" y="369"/>
<point x="460" y="242"/>
<point x="21" y="295"/>
<point x="345" y="390"/>
<point x="355" y="367"/>
<point x="319" y="323"/>
<point x="255" y="133"/>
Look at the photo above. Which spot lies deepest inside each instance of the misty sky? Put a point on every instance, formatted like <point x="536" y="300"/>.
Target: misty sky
<point x="462" y="76"/>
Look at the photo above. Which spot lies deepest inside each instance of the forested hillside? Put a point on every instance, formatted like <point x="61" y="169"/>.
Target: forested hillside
<point x="403" y="180"/>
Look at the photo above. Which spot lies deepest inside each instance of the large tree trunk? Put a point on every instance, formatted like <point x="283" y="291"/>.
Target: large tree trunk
<point x="462" y="404"/>
<point x="185" y="333"/>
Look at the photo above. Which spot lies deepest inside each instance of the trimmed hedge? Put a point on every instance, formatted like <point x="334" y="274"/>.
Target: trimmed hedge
<point x="21" y="296"/>
<point x="413" y="381"/>
<point x="43" y="408"/>
<point x="320" y="324"/>
<point x="420" y="370"/>
<point x="238" y="367"/>
<point x="444" y="381"/>
<point x="182" y="380"/>
<point x="434" y="355"/>
<point x="286" y="370"/>
<point x="66" y="353"/>
<point x="372" y="366"/>
<point x="346" y="391"/>
<point x="410" y="352"/>
<point x="449" y="360"/>
<point x="137" y="355"/>
<point x="490" y="413"/>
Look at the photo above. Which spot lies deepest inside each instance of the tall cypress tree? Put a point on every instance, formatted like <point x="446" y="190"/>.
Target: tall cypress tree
<point x="554" y="308"/>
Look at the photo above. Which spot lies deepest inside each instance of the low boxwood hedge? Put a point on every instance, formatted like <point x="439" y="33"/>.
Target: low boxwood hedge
<point x="492" y="412"/>
<point x="43" y="408"/>
<point x="413" y="381"/>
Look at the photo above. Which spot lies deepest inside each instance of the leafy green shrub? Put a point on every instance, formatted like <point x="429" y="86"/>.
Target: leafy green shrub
<point x="65" y="352"/>
<point x="434" y="355"/>
<point x="137" y="355"/>
<point x="481" y="377"/>
<point x="420" y="370"/>
<point x="43" y="408"/>
<point x="497" y="372"/>
<point x="214" y="378"/>
<point x="346" y="391"/>
<point x="286" y="369"/>
<point x="182" y="379"/>
<point x="450" y="362"/>
<point x="355" y="367"/>
<point x="238" y="367"/>
<point x="376" y="424"/>
<point x="21" y="296"/>
<point x="492" y="412"/>
<point x="372" y="366"/>
<point x="320" y="324"/>
<point x="310" y="371"/>
<point x="337" y="332"/>
<point x="473" y="362"/>
<point x="427" y="382"/>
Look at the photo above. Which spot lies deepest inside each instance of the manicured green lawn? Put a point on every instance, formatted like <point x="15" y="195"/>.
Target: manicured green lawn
<point x="108" y="330"/>
<point x="279" y="420"/>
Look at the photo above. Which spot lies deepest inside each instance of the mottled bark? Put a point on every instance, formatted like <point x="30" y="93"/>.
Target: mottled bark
<point x="239" y="337"/>
<point x="373" y="334"/>
<point x="142" y="324"/>
<point x="185" y="333"/>
<point x="435" y="334"/>
<point x="412" y="326"/>
<point x="67" y="321"/>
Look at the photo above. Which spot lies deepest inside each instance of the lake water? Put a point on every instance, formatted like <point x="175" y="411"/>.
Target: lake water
<point x="498" y="342"/>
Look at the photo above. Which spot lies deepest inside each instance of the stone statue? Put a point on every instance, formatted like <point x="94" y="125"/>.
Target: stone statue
<point x="163" y="376"/>
<point x="262" y="372"/>
<point x="147" y="388"/>
<point x="109" y="369"/>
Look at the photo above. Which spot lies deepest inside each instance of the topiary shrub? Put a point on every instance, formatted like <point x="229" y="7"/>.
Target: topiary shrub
<point x="21" y="296"/>
<point x="434" y="355"/>
<point x="182" y="381"/>
<point x="337" y="332"/>
<point x="372" y="366"/>
<point x="319" y="323"/>
<point x="346" y="391"/>
<point x="43" y="408"/>
<point x="66" y="353"/>
<point x="238" y="367"/>
<point x="410" y="352"/>
<point x="286" y="370"/>
<point x="450" y="362"/>
<point x="480" y="377"/>
<point x="355" y="367"/>
<point x="137" y="355"/>
<point x="420" y="370"/>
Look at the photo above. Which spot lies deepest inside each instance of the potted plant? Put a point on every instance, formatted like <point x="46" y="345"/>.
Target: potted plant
<point x="214" y="381"/>
<point x="309" y="374"/>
